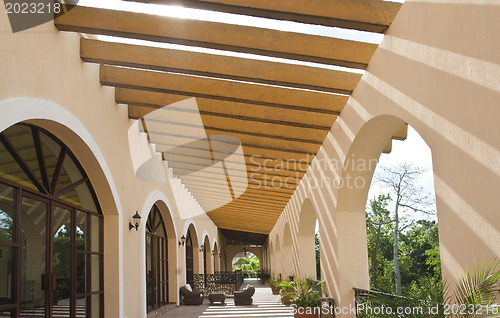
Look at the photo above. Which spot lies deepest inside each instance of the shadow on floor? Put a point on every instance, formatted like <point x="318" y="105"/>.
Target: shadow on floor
<point x="265" y="304"/>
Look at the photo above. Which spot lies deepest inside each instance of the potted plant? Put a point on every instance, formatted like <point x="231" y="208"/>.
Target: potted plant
<point x="305" y="295"/>
<point x="286" y="292"/>
<point x="272" y="283"/>
<point x="264" y="276"/>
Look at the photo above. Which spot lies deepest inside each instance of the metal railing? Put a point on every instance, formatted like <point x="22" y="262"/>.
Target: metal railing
<point x="227" y="282"/>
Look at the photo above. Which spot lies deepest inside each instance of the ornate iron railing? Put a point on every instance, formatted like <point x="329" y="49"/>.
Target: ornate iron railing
<point x="226" y="282"/>
<point x="371" y="303"/>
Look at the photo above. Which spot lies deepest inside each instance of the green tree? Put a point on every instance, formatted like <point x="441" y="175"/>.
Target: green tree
<point x="379" y="226"/>
<point x="418" y="250"/>
<point x="420" y="253"/>
<point x="402" y="180"/>
<point x="316" y="248"/>
<point x="248" y="264"/>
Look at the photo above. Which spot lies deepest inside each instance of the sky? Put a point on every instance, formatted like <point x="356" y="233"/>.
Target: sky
<point x="413" y="150"/>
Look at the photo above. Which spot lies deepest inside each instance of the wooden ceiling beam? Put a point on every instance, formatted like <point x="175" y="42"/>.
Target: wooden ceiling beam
<point x="249" y="212"/>
<point x="213" y="35"/>
<point x="363" y="15"/>
<point x="195" y="86"/>
<point x="253" y="162"/>
<point x="252" y="151"/>
<point x="250" y="205"/>
<point x="250" y="202"/>
<point x="256" y="193"/>
<point x="247" y="133"/>
<point x="189" y="167"/>
<point x="257" y="140"/>
<point x="143" y="102"/>
<point x="218" y="66"/>
<point x="270" y="190"/>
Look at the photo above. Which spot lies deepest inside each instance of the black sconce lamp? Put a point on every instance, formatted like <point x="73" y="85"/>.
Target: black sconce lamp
<point x="202" y="248"/>
<point x="245" y="251"/>
<point x="182" y="241"/>
<point x="136" y="219"/>
<point x="213" y="253"/>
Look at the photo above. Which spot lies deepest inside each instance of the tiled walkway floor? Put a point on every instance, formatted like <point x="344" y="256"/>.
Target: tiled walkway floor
<point x="265" y="305"/>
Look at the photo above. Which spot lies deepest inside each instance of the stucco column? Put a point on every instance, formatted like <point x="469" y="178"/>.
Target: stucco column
<point x="352" y="259"/>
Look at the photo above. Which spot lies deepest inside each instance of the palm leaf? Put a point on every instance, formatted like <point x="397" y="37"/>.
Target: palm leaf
<point x="479" y="287"/>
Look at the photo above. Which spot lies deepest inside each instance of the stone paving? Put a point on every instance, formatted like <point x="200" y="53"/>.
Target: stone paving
<point x="265" y="304"/>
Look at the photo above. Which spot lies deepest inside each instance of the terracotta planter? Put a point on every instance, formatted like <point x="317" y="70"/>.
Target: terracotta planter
<point x="264" y="281"/>
<point x="305" y="313"/>
<point x="286" y="300"/>
<point x="275" y="289"/>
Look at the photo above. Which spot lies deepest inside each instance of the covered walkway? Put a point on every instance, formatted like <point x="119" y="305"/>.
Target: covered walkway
<point x="265" y="304"/>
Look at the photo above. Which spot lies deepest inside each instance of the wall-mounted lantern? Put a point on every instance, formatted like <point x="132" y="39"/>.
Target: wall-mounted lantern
<point x="136" y="220"/>
<point x="182" y="240"/>
<point x="202" y="248"/>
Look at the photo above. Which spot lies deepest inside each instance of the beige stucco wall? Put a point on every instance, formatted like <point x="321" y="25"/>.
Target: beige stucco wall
<point x="438" y="69"/>
<point x="43" y="81"/>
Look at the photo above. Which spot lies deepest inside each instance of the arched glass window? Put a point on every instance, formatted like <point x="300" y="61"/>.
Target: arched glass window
<point x="51" y="229"/>
<point x="189" y="259"/>
<point x="156" y="260"/>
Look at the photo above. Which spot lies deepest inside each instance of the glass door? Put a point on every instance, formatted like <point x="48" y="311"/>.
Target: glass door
<point x="46" y="283"/>
<point x="61" y="261"/>
<point x="35" y="283"/>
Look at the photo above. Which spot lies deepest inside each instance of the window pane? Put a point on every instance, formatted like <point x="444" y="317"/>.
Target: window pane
<point x="21" y="137"/>
<point x="70" y="173"/>
<point x="6" y="272"/>
<point x="81" y="273"/>
<point x="61" y="259"/>
<point x="7" y="213"/>
<point x="81" y="307"/>
<point x="81" y="231"/>
<point x="10" y="170"/>
<point x="80" y="196"/>
<point x="96" y="233"/>
<point x="51" y="150"/>
<point x="96" y="272"/>
<point x="33" y="249"/>
<point x="96" y="301"/>
<point x="6" y="313"/>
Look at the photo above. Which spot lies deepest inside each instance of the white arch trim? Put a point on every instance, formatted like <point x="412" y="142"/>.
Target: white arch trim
<point x="17" y="110"/>
<point x="186" y="229"/>
<point x="153" y="197"/>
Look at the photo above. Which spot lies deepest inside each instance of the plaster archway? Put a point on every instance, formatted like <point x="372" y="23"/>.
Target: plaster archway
<point x="66" y="127"/>
<point x="160" y="200"/>
<point x="288" y="267"/>
<point x="306" y="232"/>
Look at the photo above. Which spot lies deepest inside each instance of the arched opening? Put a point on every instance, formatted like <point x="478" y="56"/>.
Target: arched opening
<point x="157" y="273"/>
<point x="288" y="268"/>
<point x="51" y="228"/>
<point x="402" y="228"/>
<point x="247" y="262"/>
<point x="192" y="260"/>
<point x="306" y="240"/>
<point x="215" y="254"/>
<point x="358" y="169"/>
<point x="276" y="266"/>
<point x="206" y="252"/>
